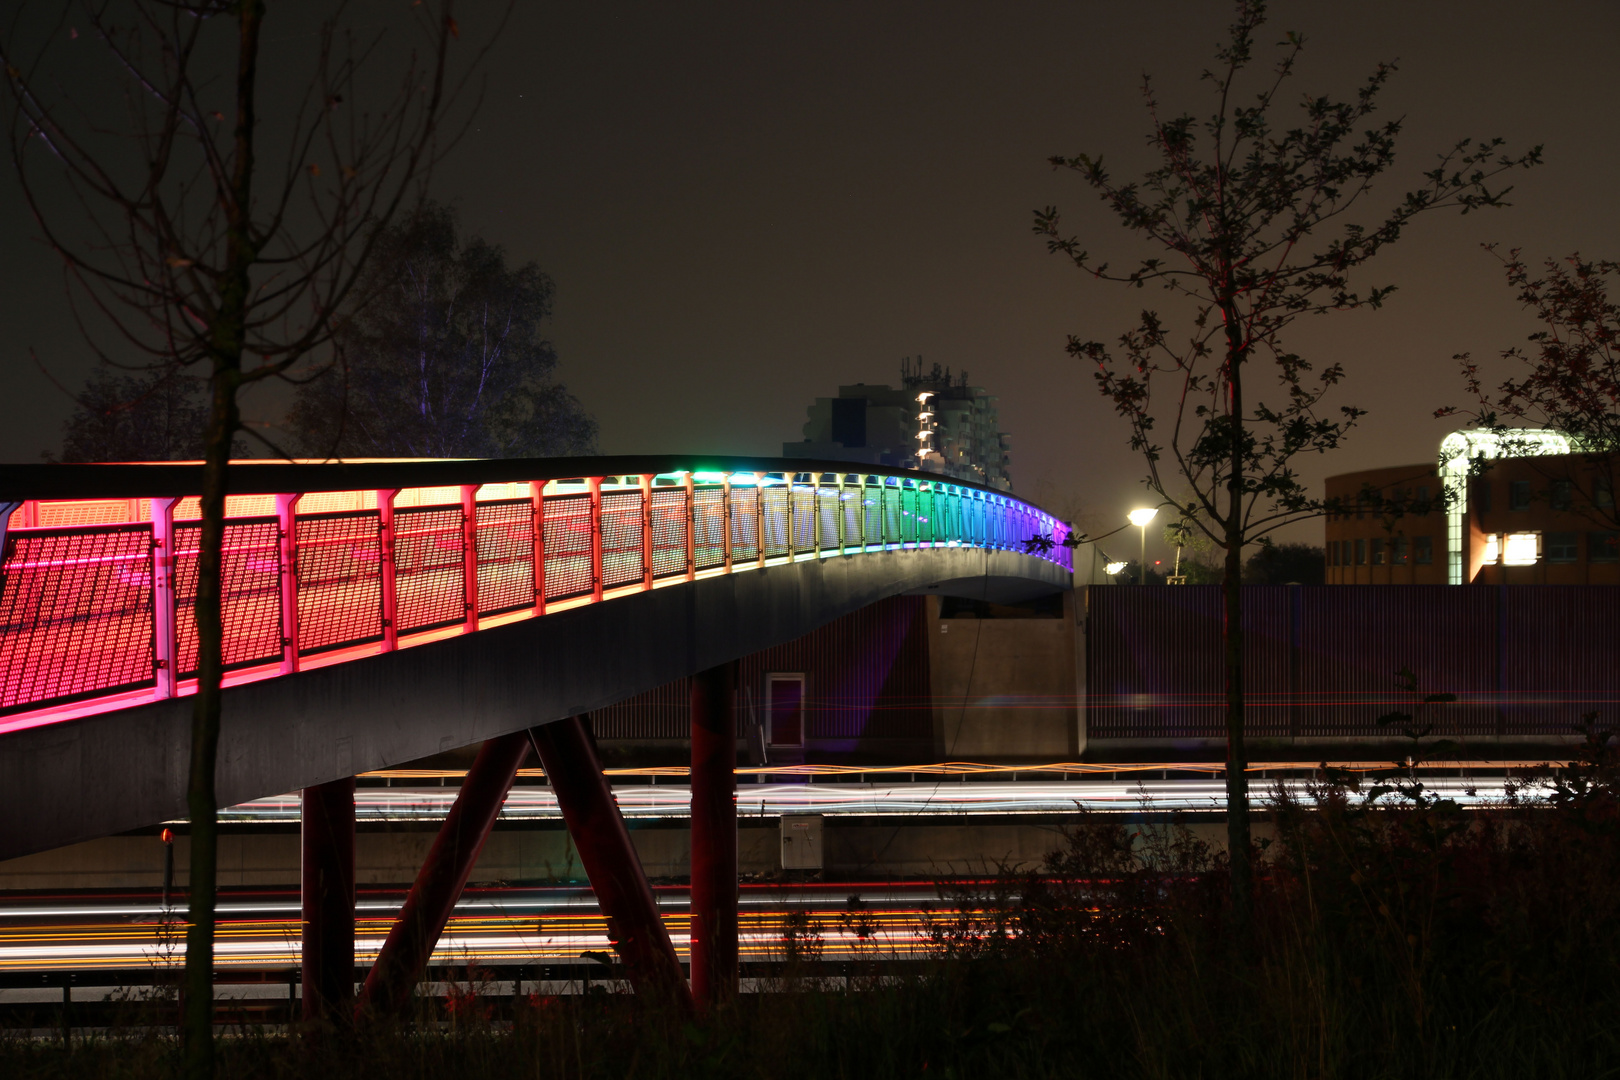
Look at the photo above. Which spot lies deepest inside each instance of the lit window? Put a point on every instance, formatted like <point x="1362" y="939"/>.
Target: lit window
<point x="1521" y="549"/>
<point x="1361" y="552"/>
<point x="1377" y="552"/>
<point x="1603" y="547"/>
<point x="1422" y="550"/>
<point x="1493" y="549"/>
<point x="1563" y="547"/>
<point x="1519" y="495"/>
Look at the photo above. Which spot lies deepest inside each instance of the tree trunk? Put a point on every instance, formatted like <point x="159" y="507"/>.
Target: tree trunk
<point x="227" y="334"/>
<point x="1237" y="778"/>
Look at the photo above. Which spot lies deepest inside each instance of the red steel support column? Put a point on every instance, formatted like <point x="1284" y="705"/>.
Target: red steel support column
<point x="389" y="576"/>
<point x="327" y="897"/>
<point x="691" y="528"/>
<point x="438" y="885"/>
<point x="594" y="486"/>
<point x="287" y="513"/>
<point x="725" y="520"/>
<point x="646" y="531"/>
<point x="537" y="490"/>
<point x="469" y="553"/>
<point x="165" y="653"/>
<point x="714" y="837"/>
<point x="638" y="935"/>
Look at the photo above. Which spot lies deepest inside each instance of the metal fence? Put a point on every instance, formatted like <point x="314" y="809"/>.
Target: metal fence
<point x="1322" y="661"/>
<point x="96" y="594"/>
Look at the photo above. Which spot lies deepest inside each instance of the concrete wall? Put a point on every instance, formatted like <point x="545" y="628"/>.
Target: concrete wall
<point x="1005" y="688"/>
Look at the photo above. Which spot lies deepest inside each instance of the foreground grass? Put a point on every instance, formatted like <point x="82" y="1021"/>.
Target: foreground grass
<point x="1395" y="936"/>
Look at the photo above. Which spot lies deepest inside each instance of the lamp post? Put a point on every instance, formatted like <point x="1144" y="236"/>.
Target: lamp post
<point x="1140" y="519"/>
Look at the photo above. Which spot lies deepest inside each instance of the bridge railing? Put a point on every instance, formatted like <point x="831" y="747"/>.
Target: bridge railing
<point x="96" y="594"/>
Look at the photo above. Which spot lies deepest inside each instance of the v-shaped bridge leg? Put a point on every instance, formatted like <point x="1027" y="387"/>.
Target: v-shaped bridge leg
<point x="568" y="755"/>
<point x="439" y="883"/>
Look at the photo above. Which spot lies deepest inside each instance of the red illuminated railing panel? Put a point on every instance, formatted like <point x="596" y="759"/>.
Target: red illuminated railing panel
<point x="250" y="594"/>
<point x="669" y="509"/>
<point x="339" y="575"/>
<point x="429" y="574"/>
<point x="505" y="532"/>
<point x="568" y="547"/>
<point x="75" y="614"/>
<point x="622" y="528"/>
<point x="709" y="527"/>
<point x="76" y="602"/>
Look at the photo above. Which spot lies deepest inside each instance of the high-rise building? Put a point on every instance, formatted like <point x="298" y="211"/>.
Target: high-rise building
<point x="934" y="421"/>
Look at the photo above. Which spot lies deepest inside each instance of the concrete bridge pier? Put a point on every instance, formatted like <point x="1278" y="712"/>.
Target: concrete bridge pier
<point x="326" y="849"/>
<point x="714" y="837"/>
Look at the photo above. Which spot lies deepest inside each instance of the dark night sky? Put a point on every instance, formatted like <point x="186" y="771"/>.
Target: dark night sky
<point x="744" y="205"/>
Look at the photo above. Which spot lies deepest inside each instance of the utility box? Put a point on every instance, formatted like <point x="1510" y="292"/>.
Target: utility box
<point x="801" y="841"/>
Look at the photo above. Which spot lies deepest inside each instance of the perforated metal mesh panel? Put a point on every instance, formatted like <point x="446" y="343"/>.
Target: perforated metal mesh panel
<point x="75" y="614"/>
<point x="568" y="546"/>
<point x="250" y="600"/>
<point x="946" y="505"/>
<point x="850" y="498"/>
<point x="669" y="509"/>
<point x="891" y="514"/>
<point x="622" y="528"/>
<point x="804" y="517"/>
<point x="776" y="521"/>
<point x="908" y="515"/>
<point x="429" y="582"/>
<point x="925" y="515"/>
<point x="744" y="508"/>
<point x="827" y="514"/>
<point x="709" y="526"/>
<point x="872" y="513"/>
<point x="505" y="533"/>
<point x="338" y="569"/>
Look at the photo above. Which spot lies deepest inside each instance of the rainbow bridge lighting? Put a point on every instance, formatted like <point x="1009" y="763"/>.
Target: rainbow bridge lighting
<point x="324" y="563"/>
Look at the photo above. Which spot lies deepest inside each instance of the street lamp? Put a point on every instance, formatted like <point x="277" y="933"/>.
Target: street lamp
<point x="1140" y="519"/>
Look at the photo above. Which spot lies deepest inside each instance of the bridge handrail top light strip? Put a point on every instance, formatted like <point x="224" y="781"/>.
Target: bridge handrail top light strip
<point x="52" y="481"/>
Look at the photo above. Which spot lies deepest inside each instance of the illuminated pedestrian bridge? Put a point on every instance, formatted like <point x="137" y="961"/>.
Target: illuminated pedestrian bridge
<point x="377" y="612"/>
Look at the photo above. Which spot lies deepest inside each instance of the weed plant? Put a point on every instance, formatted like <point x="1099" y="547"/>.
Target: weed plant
<point x="1396" y="935"/>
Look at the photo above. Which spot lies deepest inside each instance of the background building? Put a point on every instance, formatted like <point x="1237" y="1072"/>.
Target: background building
<point x="934" y="421"/>
<point x="1539" y="514"/>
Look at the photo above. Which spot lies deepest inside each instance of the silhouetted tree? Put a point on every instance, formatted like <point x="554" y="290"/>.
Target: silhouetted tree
<point x="196" y="241"/>
<point x="1568" y="378"/>
<point x="145" y="416"/>
<point x="1236" y="209"/>
<point x="1285" y="564"/>
<point x="445" y="357"/>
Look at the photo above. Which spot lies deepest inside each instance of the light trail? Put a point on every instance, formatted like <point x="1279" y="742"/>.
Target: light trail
<point x="943" y="797"/>
<point x="504" y="927"/>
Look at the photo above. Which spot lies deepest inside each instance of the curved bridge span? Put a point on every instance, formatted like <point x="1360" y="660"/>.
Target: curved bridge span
<point x="379" y="612"/>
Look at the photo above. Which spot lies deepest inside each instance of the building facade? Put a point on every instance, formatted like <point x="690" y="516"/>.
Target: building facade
<point x="934" y="421"/>
<point x="1536" y="513"/>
